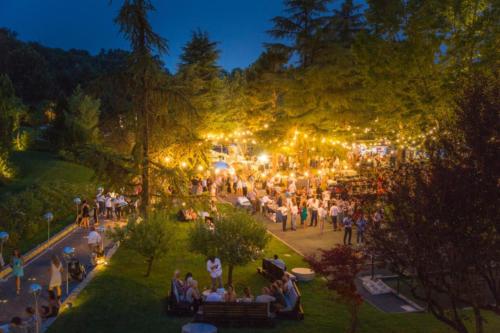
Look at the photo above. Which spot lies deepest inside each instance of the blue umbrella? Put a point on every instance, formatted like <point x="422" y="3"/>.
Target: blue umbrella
<point x="4" y="236"/>
<point x="221" y="165"/>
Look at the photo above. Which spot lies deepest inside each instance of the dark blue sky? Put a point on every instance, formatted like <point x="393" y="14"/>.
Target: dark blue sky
<point x="239" y="25"/>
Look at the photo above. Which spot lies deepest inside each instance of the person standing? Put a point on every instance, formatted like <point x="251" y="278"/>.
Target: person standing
<point x="94" y="243"/>
<point x="303" y="215"/>
<point x="17" y="269"/>
<point x="55" y="271"/>
<point x="347" y="229"/>
<point x="284" y="217"/>
<point x="214" y="268"/>
<point x="322" y="212"/>
<point x="314" y="212"/>
<point x="294" y="212"/>
<point x="109" y="207"/>
<point x="85" y="214"/>
<point x="360" y="229"/>
<point x="334" y="213"/>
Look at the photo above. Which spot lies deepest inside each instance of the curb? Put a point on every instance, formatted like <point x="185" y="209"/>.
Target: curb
<point x="67" y="304"/>
<point x="30" y="255"/>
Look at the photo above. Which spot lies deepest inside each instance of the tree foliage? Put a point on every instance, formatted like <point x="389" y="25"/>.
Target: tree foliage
<point x="443" y="229"/>
<point x="340" y="266"/>
<point x="237" y="239"/>
<point x="152" y="238"/>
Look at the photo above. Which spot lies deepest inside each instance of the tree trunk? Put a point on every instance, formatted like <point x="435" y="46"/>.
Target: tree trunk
<point x="145" y="146"/>
<point x="150" y="266"/>
<point x="230" y="275"/>
<point x="354" y="318"/>
<point x="478" y="319"/>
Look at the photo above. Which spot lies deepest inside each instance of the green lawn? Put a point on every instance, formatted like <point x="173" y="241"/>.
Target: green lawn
<point x="42" y="167"/>
<point x="43" y="183"/>
<point x="121" y="300"/>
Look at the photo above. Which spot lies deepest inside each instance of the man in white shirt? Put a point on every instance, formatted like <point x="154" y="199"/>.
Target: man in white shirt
<point x="334" y="213"/>
<point x="214" y="296"/>
<point x="214" y="268"/>
<point x="94" y="243"/>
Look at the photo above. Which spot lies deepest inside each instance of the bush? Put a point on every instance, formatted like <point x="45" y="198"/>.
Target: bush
<point x="22" y="212"/>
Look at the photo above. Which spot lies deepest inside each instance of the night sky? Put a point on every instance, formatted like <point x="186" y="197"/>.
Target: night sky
<point x="238" y="25"/>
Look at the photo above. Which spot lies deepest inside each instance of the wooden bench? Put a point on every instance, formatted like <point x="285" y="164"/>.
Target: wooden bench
<point x="294" y="308"/>
<point x="271" y="271"/>
<point x="175" y="305"/>
<point x="236" y="314"/>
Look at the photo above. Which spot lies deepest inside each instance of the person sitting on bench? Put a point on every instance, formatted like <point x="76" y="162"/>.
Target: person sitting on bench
<point x="265" y="297"/>
<point x="278" y="262"/>
<point x="214" y="296"/>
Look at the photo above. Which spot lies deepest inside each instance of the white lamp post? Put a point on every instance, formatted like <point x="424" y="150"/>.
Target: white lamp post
<point x="35" y="289"/>
<point x="101" y="230"/>
<point x="4" y="236"/>
<point x="77" y="202"/>
<point x="68" y="253"/>
<point x="48" y="217"/>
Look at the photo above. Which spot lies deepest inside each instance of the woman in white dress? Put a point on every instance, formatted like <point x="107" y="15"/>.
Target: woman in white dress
<point x="56" y="270"/>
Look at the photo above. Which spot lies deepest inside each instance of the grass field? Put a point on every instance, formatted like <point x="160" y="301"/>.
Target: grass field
<point x="43" y="183"/>
<point x="121" y="300"/>
<point x="41" y="167"/>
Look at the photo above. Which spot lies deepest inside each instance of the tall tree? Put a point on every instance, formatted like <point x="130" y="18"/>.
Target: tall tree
<point x="135" y="26"/>
<point x="449" y="206"/>
<point x="345" y="23"/>
<point x="82" y="119"/>
<point x="301" y="27"/>
<point x="200" y="56"/>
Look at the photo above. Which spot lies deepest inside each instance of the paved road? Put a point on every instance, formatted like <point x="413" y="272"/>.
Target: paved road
<point x="37" y="271"/>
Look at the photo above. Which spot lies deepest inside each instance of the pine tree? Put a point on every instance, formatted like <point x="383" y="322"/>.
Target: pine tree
<point x="135" y="26"/>
<point x="200" y="56"/>
<point x="302" y="27"/>
<point x="345" y="23"/>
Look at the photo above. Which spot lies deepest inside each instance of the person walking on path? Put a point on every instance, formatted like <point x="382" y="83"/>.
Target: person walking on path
<point x="347" y="229"/>
<point x="214" y="268"/>
<point x="55" y="270"/>
<point x="17" y="269"/>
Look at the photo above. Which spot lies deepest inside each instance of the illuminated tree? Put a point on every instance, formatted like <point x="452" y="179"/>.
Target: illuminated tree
<point x="237" y="239"/>
<point x="144" y="69"/>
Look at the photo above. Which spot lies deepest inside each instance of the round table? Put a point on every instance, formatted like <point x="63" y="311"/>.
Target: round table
<point x="303" y="274"/>
<point x="199" y="328"/>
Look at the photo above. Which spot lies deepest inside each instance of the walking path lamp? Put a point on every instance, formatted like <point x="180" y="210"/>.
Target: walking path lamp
<point x="77" y="202"/>
<point x="36" y="289"/>
<point x="101" y="229"/>
<point x="68" y="253"/>
<point x="48" y="217"/>
<point x="4" y="236"/>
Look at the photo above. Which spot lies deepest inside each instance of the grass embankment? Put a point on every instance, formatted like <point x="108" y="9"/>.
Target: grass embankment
<point x="43" y="183"/>
<point x="121" y="300"/>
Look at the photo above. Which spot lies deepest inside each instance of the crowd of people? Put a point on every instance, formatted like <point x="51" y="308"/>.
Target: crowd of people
<point x="187" y="289"/>
<point x="312" y="202"/>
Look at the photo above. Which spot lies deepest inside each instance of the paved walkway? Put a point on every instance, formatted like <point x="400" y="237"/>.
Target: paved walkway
<point x="37" y="271"/>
